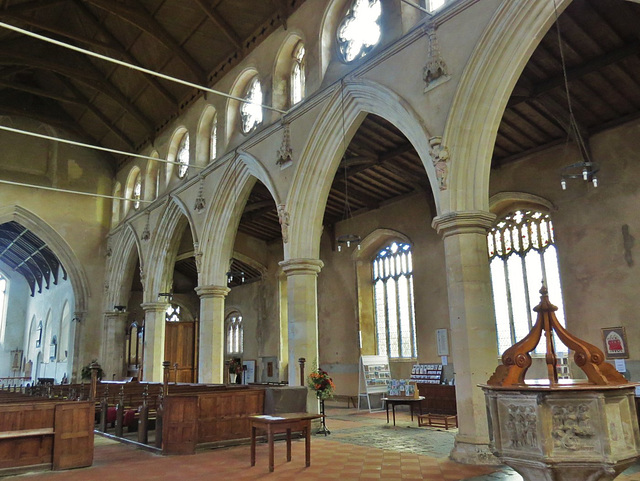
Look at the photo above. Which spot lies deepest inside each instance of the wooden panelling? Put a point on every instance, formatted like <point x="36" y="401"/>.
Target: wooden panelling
<point x="438" y="398"/>
<point x="224" y="416"/>
<point x="180" y="424"/>
<point x="73" y="440"/>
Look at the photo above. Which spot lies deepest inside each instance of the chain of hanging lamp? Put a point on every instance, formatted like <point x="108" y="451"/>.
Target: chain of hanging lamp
<point x="586" y="169"/>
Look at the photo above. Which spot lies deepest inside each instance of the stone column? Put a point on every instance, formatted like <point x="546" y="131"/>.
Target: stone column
<point x="115" y="325"/>
<point x="473" y="330"/>
<point x="302" y="308"/>
<point x="154" y="320"/>
<point x="211" y="340"/>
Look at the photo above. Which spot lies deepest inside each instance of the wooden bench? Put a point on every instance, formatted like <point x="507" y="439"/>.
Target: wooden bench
<point x="350" y="400"/>
<point x="438" y="420"/>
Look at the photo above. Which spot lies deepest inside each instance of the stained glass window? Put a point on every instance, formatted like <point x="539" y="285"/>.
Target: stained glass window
<point x="297" y="74"/>
<point x="137" y="191"/>
<point x="360" y="30"/>
<point x="235" y="333"/>
<point x="393" y="293"/>
<point x="173" y="313"/>
<point x="183" y="156"/>
<point x="522" y="255"/>
<point x="251" y="111"/>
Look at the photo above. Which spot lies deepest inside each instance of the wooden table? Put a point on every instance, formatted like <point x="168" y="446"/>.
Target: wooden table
<point x="397" y="401"/>
<point x="282" y="423"/>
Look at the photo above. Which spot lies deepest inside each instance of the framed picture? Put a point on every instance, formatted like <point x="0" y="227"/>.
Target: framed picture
<point x="615" y="343"/>
<point x="16" y="360"/>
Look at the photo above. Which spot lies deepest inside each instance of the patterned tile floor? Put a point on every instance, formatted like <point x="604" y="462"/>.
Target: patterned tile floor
<point x="361" y="446"/>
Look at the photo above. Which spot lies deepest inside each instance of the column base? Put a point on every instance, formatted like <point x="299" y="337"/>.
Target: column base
<point x="468" y="453"/>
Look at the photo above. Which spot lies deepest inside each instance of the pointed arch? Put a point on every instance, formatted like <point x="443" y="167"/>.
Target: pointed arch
<point x="134" y="175"/>
<point x="152" y="178"/>
<point x="221" y="224"/>
<point x="125" y="252"/>
<point x="232" y="117"/>
<point x="171" y="171"/>
<point x="60" y="248"/>
<point x="321" y="156"/>
<point x="482" y="95"/>
<point x="208" y="121"/>
<point x="282" y="69"/>
<point x="164" y="248"/>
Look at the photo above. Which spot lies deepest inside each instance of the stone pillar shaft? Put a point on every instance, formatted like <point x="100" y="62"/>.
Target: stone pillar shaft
<point x="211" y="345"/>
<point x="154" y="320"/>
<point x="302" y="308"/>
<point x="115" y="324"/>
<point x="473" y="330"/>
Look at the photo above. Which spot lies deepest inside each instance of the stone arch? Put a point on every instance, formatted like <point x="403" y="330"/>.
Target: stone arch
<point x="322" y="153"/>
<point x="281" y="89"/>
<point x="232" y="117"/>
<point x="164" y="248"/>
<point x="151" y="178"/>
<point x="483" y="92"/>
<point x="203" y="136"/>
<point x="502" y="203"/>
<point x="171" y="170"/>
<point x="223" y="218"/>
<point x="125" y="251"/>
<point x="60" y="248"/>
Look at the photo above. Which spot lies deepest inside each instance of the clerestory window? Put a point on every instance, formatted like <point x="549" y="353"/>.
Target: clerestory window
<point x="213" y="145"/>
<point x="522" y="255"/>
<point x="297" y="74"/>
<point x="360" y="30"/>
<point x="251" y="111"/>
<point x="137" y="191"/>
<point x="394" y="302"/>
<point x="183" y="156"/>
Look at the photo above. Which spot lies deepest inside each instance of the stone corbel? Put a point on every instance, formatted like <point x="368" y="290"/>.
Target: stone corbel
<point x="440" y="157"/>
<point x="285" y="153"/>
<point x="435" y="71"/>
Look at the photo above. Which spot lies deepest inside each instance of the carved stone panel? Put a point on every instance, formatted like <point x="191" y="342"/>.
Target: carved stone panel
<point x="575" y="427"/>
<point x="519" y="425"/>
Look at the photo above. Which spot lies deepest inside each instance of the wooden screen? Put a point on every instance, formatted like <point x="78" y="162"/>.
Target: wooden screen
<point x="73" y="442"/>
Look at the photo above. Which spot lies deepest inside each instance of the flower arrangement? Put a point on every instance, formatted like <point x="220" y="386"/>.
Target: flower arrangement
<point x="321" y="383"/>
<point x="235" y="365"/>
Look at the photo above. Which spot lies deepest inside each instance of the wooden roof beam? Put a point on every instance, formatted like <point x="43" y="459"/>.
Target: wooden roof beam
<point x="219" y="21"/>
<point x="137" y="15"/>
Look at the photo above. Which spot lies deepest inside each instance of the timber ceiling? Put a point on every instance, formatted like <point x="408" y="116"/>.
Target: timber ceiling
<point x="110" y="105"/>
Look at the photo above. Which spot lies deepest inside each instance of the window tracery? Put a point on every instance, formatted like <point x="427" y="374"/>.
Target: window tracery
<point x="360" y="30"/>
<point x="213" y="144"/>
<point x="183" y="156"/>
<point x="172" y="314"/>
<point x="137" y="191"/>
<point x="235" y="334"/>
<point x="394" y="301"/>
<point x="298" y="74"/>
<point x="251" y="111"/>
<point x="522" y="253"/>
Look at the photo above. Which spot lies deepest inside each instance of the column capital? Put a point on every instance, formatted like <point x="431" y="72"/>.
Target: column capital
<point x="154" y="306"/>
<point x="464" y="222"/>
<point x="294" y="267"/>
<point x="212" y="291"/>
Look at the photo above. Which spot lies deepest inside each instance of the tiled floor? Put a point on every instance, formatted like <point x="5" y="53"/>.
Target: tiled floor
<point x="360" y="447"/>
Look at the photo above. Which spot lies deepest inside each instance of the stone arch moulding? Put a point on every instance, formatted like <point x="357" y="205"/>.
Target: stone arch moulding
<point x="129" y="186"/>
<point x="173" y="219"/>
<point x="323" y="151"/>
<point x="486" y="84"/>
<point x="222" y="221"/>
<point x="238" y="89"/>
<point x="120" y="267"/>
<point x="172" y="169"/>
<point x="75" y="271"/>
<point x="372" y="243"/>
<point x="504" y="202"/>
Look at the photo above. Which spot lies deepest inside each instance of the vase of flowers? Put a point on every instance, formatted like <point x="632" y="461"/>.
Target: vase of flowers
<point x="235" y="370"/>
<point x="321" y="383"/>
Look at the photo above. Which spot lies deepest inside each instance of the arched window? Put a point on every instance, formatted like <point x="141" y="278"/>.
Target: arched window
<point x="297" y="73"/>
<point x="213" y="144"/>
<point x="3" y="306"/>
<point x="235" y="334"/>
<point x="434" y="5"/>
<point x="172" y="313"/>
<point x="137" y="191"/>
<point x="522" y="254"/>
<point x="183" y="156"/>
<point x="360" y="30"/>
<point x="251" y="111"/>
<point x="393" y="293"/>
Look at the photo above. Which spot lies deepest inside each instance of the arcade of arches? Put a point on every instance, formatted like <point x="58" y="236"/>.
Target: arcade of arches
<point x="381" y="147"/>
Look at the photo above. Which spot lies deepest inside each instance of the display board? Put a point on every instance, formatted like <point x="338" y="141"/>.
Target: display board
<point x="374" y="378"/>
<point x="427" y="373"/>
